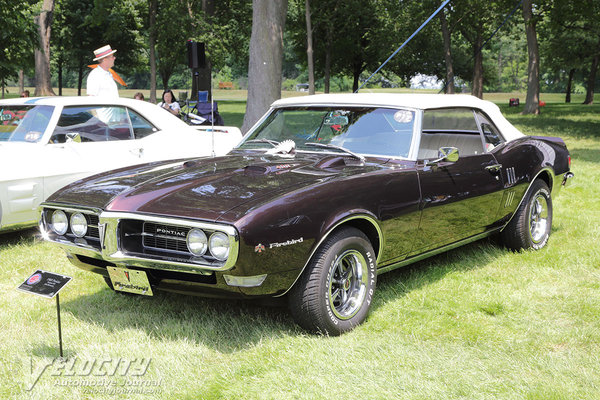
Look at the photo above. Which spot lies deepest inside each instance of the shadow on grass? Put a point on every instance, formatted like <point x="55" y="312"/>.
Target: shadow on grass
<point x="26" y="238"/>
<point x="577" y="120"/>
<point x="397" y="283"/>
<point x="589" y="155"/>
<point x="224" y="325"/>
<point x="233" y="325"/>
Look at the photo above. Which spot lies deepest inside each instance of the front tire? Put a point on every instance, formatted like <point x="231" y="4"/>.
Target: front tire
<point x="532" y="222"/>
<point x="334" y="293"/>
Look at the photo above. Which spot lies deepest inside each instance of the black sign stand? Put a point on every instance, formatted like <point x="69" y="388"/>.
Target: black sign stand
<point x="47" y="284"/>
<point x="59" y="327"/>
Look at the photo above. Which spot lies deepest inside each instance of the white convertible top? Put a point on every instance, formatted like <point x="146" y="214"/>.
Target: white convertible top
<point x="407" y="100"/>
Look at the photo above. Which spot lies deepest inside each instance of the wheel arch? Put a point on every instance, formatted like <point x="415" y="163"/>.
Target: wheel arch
<point x="546" y="175"/>
<point x="365" y="223"/>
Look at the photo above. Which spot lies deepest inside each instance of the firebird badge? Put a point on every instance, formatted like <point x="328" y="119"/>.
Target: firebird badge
<point x="259" y="248"/>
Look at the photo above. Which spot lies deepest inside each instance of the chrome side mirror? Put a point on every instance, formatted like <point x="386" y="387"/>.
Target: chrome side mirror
<point x="449" y="154"/>
<point x="73" y="137"/>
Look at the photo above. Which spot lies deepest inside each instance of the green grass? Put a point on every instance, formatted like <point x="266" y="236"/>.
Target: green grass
<point x="479" y="322"/>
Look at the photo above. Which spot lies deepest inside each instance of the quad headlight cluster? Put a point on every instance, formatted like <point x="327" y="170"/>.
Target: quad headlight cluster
<point x="59" y="223"/>
<point x="218" y="244"/>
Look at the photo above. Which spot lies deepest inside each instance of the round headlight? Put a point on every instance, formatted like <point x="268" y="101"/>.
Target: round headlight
<point x="79" y="225"/>
<point x="219" y="246"/>
<point x="197" y="242"/>
<point x="59" y="223"/>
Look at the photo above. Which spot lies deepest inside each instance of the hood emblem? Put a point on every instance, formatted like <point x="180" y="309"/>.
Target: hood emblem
<point x="259" y="248"/>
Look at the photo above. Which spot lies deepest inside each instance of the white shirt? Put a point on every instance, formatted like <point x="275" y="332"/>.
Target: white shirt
<point x="173" y="106"/>
<point x="101" y="83"/>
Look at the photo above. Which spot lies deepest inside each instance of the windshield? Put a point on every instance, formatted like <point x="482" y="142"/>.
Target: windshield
<point x="362" y="130"/>
<point x="24" y="123"/>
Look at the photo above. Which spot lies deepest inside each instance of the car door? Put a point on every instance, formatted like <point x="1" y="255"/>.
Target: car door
<point x="89" y="139"/>
<point x="458" y="199"/>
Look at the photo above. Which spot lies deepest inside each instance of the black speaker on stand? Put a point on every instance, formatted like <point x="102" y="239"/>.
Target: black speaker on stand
<point x="196" y="60"/>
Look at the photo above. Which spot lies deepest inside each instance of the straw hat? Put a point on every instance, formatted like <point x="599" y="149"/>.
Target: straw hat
<point x="102" y="52"/>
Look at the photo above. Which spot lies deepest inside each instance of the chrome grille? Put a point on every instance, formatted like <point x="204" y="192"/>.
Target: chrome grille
<point x="165" y="237"/>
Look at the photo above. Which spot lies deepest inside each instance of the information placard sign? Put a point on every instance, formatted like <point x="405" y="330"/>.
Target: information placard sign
<point x="44" y="283"/>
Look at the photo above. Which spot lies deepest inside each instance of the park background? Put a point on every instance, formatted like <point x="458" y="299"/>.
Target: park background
<point x="479" y="322"/>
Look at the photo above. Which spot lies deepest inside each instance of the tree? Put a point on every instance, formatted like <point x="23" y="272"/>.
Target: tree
<point x="572" y="42"/>
<point x="266" y="53"/>
<point x="533" y="69"/>
<point x="43" y="86"/>
<point x="152" y="10"/>
<point x="309" y="51"/>
<point x="449" y="87"/>
<point x="18" y="32"/>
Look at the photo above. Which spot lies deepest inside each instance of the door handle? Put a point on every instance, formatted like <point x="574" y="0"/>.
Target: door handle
<point x="494" y="168"/>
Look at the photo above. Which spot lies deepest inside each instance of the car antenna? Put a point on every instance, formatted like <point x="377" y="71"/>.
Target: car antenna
<point x="404" y="44"/>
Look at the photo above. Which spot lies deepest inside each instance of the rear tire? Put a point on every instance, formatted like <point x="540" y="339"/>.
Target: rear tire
<point x="532" y="222"/>
<point x="334" y="293"/>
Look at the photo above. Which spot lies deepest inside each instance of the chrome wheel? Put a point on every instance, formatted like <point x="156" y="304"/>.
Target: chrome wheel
<point x="335" y="292"/>
<point x="532" y="222"/>
<point x="347" y="284"/>
<point x="538" y="218"/>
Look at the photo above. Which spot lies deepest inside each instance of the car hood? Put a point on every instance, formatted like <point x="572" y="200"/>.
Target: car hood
<point x="205" y="188"/>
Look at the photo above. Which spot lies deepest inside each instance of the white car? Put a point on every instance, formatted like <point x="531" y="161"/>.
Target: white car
<point x="49" y="142"/>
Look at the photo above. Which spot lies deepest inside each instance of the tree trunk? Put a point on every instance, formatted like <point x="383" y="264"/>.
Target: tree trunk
<point x="21" y="81"/>
<point x="309" y="51"/>
<point x="60" y="75"/>
<point x="355" y="78"/>
<point x="569" y="85"/>
<point x="327" y="72"/>
<point x="589" y="93"/>
<point x="532" y="101"/>
<point x="205" y="73"/>
<point x="43" y="86"/>
<point x="477" y="89"/>
<point x="153" y="4"/>
<point x="266" y="58"/>
<point x="449" y="88"/>
<point x="80" y="75"/>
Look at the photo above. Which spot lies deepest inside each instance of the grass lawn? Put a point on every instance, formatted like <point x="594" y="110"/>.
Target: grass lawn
<point x="479" y="322"/>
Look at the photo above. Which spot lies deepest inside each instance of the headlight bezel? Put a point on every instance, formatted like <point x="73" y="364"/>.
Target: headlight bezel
<point x="224" y="241"/>
<point x="201" y="234"/>
<point x="73" y="224"/>
<point x="53" y="224"/>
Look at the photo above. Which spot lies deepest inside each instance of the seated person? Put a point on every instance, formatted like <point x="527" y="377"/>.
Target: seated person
<point x="169" y="102"/>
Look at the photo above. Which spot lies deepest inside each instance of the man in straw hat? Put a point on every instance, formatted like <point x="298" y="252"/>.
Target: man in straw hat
<point x="100" y="81"/>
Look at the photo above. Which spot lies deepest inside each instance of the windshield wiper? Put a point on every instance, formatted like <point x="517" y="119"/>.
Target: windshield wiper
<point x="271" y="142"/>
<point x="340" y="148"/>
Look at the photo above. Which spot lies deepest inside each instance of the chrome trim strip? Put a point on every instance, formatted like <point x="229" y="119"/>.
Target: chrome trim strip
<point x="432" y="253"/>
<point x="552" y="178"/>
<point x="350" y="218"/>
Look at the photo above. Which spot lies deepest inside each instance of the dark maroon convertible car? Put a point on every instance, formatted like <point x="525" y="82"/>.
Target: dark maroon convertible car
<point x="322" y="195"/>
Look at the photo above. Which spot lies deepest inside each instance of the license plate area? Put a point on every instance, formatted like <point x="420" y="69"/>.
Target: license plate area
<point x="130" y="281"/>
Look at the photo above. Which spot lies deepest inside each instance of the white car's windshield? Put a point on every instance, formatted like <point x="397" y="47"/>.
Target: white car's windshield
<point x="362" y="130"/>
<point x="24" y="123"/>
